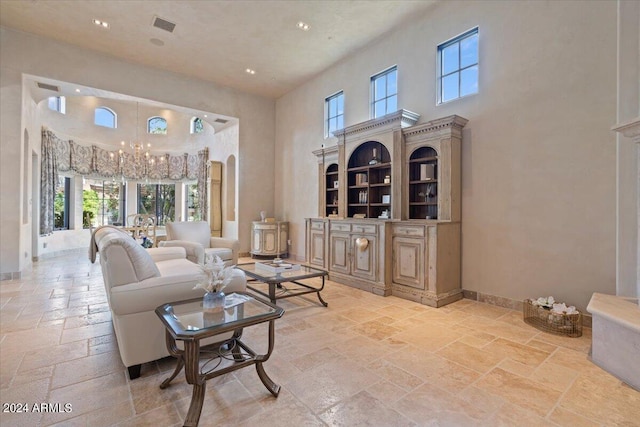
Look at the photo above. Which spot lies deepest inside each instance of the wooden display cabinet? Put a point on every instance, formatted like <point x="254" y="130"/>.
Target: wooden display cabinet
<point x="411" y="171"/>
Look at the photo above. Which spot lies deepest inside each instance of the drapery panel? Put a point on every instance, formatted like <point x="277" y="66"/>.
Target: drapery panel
<point x="48" y="182"/>
<point x="203" y="158"/>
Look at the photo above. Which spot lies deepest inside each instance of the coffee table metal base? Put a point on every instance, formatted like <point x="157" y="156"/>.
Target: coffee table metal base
<point x="273" y="294"/>
<point x="189" y="359"/>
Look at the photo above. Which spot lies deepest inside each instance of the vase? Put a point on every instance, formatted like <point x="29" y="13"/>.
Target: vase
<point x="213" y="302"/>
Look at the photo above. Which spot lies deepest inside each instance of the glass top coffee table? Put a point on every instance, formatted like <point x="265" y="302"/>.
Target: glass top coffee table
<point x="187" y="322"/>
<point x="275" y="281"/>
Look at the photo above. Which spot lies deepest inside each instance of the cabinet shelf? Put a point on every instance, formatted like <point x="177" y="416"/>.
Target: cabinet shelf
<point x="380" y="185"/>
<point x="423" y="203"/>
<point x="424" y="159"/>
<point x="359" y="186"/>
<point x="427" y="181"/>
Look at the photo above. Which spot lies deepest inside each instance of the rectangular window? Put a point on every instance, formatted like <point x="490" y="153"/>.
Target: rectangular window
<point x="103" y="203"/>
<point x="158" y="200"/>
<point x="458" y="67"/>
<point x="192" y="209"/>
<point x="384" y="93"/>
<point x="334" y="106"/>
<point x="61" y="204"/>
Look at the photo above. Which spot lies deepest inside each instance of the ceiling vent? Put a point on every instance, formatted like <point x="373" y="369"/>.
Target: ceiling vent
<point x="221" y="121"/>
<point x="163" y="24"/>
<point x="48" y="87"/>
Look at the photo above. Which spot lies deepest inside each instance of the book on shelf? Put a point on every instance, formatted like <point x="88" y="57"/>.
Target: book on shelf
<point x="273" y="267"/>
<point x="361" y="179"/>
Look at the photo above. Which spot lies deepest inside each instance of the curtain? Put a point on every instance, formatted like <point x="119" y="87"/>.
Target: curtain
<point x="203" y="158"/>
<point x="48" y="182"/>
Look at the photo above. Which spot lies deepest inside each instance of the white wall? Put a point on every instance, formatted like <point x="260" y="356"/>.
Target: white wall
<point x="538" y="185"/>
<point x="24" y="53"/>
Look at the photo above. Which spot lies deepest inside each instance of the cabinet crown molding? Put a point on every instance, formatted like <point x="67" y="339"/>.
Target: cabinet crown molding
<point x="399" y="119"/>
<point x="456" y="123"/>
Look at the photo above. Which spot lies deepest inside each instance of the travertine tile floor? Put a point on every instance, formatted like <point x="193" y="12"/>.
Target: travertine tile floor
<point x="364" y="360"/>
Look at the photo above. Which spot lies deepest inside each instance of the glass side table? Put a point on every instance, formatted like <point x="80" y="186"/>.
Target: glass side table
<point x="185" y="321"/>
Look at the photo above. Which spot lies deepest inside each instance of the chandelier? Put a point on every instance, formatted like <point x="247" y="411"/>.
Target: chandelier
<point x="136" y="145"/>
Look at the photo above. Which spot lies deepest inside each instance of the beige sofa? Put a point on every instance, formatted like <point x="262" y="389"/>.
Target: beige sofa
<point x="137" y="281"/>
<point x="195" y="238"/>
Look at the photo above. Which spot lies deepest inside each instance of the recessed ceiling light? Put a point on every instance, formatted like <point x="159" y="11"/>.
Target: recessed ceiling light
<point x="303" y="26"/>
<point x="205" y="116"/>
<point x="250" y="71"/>
<point x="100" y="23"/>
<point x="77" y="90"/>
<point x="156" y="42"/>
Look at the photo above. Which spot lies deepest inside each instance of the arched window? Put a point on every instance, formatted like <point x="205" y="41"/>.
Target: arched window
<point x="157" y="125"/>
<point x="196" y="125"/>
<point x="57" y="103"/>
<point x="105" y="117"/>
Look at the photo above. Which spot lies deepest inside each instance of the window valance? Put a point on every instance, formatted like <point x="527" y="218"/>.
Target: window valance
<point x="94" y="160"/>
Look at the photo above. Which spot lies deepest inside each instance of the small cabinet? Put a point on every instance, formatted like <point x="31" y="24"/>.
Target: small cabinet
<point x="269" y="238"/>
<point x="408" y="261"/>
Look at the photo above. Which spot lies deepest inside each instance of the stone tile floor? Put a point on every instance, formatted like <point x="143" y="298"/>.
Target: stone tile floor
<point x="364" y="360"/>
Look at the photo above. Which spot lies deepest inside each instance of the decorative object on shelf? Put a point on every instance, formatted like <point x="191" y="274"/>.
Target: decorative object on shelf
<point x="427" y="172"/>
<point x="362" y="199"/>
<point x="218" y="277"/>
<point x="387" y="179"/>
<point x="336" y="184"/>
<point x="386" y="198"/>
<point x="384" y="214"/>
<point x="362" y="243"/>
<point x="361" y="179"/>
<point x="374" y="159"/>
<point x="263" y="216"/>
<point x="547" y="315"/>
<point x="359" y="216"/>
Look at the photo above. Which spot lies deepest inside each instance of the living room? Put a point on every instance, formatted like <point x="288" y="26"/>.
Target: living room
<point x="547" y="204"/>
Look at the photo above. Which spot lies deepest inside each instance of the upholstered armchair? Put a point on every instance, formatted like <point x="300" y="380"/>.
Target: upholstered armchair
<point x="195" y="238"/>
<point x="138" y="280"/>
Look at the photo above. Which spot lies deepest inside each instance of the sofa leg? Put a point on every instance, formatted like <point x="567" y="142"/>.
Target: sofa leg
<point x="134" y="371"/>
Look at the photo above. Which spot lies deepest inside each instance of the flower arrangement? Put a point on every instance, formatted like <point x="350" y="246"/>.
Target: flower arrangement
<point x="550" y="304"/>
<point x="218" y="276"/>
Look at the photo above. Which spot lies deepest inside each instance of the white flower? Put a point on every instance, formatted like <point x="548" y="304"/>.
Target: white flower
<point x="218" y="276"/>
<point x="563" y="309"/>
<point x="544" y="302"/>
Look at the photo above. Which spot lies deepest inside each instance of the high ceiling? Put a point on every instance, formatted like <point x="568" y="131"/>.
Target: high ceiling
<point x="218" y="40"/>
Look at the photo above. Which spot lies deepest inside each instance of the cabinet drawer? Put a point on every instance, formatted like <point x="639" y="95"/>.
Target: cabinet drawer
<point x="317" y="225"/>
<point x="408" y="230"/>
<point x="265" y="226"/>
<point x="364" y="228"/>
<point x="340" y="227"/>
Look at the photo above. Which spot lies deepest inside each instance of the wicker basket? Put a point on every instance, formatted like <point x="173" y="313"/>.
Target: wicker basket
<point x="541" y="318"/>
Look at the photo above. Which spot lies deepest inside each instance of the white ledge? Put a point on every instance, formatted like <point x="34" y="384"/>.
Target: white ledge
<point x="630" y="129"/>
<point x="621" y="310"/>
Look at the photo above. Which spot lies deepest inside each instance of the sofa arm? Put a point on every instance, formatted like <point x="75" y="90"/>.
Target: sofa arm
<point x="233" y="244"/>
<point x="163" y="254"/>
<point x="195" y="251"/>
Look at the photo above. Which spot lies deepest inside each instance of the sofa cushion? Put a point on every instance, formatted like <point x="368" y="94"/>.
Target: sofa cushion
<point x="178" y="284"/>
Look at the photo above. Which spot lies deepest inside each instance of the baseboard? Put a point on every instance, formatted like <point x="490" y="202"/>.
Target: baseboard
<point x="10" y="275"/>
<point x="511" y="303"/>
